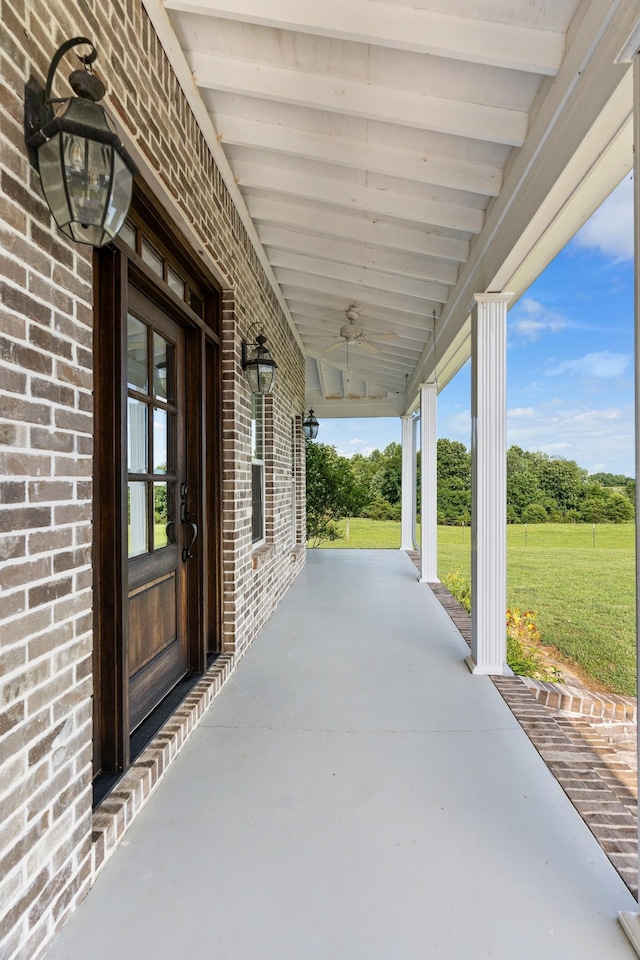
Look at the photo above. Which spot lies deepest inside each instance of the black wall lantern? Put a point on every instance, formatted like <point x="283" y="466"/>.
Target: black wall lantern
<point x="86" y="172"/>
<point x="259" y="365"/>
<point x="310" y="426"/>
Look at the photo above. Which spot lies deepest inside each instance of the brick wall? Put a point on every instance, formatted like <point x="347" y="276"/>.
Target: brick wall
<point x="46" y="428"/>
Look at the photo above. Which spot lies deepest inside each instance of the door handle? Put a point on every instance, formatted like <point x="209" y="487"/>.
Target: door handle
<point x="184" y="517"/>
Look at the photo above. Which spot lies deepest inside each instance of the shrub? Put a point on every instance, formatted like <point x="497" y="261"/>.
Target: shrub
<point x="534" y="513"/>
<point x="523" y="636"/>
<point x="460" y="587"/>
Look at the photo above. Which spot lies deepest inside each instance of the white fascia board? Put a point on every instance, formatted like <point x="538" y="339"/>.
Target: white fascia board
<point x="164" y="30"/>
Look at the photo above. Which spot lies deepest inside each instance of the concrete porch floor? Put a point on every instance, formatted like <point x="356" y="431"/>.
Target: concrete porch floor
<point x="354" y="792"/>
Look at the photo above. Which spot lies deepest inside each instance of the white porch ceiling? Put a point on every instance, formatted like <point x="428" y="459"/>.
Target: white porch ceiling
<point x="402" y="156"/>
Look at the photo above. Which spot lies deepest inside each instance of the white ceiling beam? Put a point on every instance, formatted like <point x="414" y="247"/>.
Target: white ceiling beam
<point x="399" y="27"/>
<point x="452" y="172"/>
<point x="367" y="407"/>
<point x="410" y="340"/>
<point x="402" y="264"/>
<point x="401" y="206"/>
<point x="400" y="350"/>
<point x="175" y="55"/>
<point x="321" y="377"/>
<point x="382" y="363"/>
<point x="359" y="367"/>
<point x="332" y="305"/>
<point x="359" y="276"/>
<point x="412" y="108"/>
<point x="292" y="282"/>
<point x="328" y="223"/>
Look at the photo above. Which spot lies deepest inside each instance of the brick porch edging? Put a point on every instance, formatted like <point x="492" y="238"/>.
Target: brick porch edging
<point x="602" y="788"/>
<point x="116" y="813"/>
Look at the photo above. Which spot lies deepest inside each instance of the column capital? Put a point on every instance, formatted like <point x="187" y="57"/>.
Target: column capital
<point x="504" y="297"/>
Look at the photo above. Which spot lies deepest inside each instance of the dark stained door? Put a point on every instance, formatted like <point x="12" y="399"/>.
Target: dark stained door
<point x="158" y="529"/>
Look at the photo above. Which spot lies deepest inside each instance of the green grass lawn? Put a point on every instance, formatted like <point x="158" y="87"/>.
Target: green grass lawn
<point x="584" y="595"/>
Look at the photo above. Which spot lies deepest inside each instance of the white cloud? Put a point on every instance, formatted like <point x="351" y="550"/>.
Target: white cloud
<point x="602" y="366"/>
<point x="521" y="412"/>
<point x="530" y="319"/>
<point x="610" y="229"/>
<point x="597" y="439"/>
<point x="356" y="446"/>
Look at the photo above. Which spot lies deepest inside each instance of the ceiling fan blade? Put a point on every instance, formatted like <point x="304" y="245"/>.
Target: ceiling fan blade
<point x="382" y="334"/>
<point x="367" y="347"/>
<point x="334" y="346"/>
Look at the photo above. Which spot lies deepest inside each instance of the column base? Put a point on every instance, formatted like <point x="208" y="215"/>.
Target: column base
<point x="630" y="923"/>
<point x="428" y="580"/>
<point x="502" y="671"/>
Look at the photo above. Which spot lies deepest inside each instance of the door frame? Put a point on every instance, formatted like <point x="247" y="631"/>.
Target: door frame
<point x="115" y="267"/>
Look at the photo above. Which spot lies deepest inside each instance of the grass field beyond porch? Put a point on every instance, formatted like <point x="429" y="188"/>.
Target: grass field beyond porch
<point x="584" y="595"/>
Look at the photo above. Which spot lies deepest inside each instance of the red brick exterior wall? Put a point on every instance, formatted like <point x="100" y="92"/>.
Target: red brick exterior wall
<point x="46" y="437"/>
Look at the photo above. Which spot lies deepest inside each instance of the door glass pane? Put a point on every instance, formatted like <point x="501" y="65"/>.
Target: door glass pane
<point x="163" y="368"/>
<point x="136" y="354"/>
<point x="137" y="517"/>
<point x="160" y="441"/>
<point x="137" y="436"/>
<point x="163" y="514"/>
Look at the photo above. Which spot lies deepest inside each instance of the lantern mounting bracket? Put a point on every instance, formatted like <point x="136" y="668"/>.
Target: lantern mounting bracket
<point x="40" y="123"/>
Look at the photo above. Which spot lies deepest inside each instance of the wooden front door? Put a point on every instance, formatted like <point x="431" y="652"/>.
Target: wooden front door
<point x="159" y="531"/>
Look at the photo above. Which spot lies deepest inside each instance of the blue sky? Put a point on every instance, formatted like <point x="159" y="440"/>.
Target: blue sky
<point x="569" y="357"/>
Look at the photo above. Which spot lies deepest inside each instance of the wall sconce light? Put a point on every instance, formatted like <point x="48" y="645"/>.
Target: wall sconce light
<point x="259" y="365"/>
<point x="310" y="426"/>
<point x="86" y="172"/>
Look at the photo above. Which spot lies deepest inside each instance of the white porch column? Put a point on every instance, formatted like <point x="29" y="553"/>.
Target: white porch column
<point x="408" y="482"/>
<point x="489" y="484"/>
<point x="631" y="921"/>
<point x="428" y="483"/>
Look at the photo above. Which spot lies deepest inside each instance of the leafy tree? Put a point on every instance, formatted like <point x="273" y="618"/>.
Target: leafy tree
<point x="561" y="480"/>
<point x="332" y="492"/>
<point x="534" y="513"/>
<point x="609" y="479"/>
<point x="523" y="485"/>
<point x="619" y="508"/>
<point x="454" y="481"/>
<point x="387" y="480"/>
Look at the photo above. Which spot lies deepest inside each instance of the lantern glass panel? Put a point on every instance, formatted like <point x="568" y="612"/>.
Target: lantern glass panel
<point x="266" y="377"/>
<point x="120" y="198"/>
<point x="88" y="171"/>
<point x="52" y="178"/>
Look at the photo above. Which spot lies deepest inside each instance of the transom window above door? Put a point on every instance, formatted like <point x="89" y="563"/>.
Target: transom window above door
<point x="162" y="264"/>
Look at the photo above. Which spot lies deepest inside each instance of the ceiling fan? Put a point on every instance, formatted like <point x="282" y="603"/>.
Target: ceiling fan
<point x="355" y="335"/>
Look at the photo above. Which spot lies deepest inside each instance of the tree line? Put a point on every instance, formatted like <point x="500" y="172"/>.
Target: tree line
<point x="540" y="488"/>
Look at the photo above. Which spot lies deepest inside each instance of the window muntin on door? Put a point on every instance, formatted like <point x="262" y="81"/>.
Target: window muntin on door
<point x="151" y="431"/>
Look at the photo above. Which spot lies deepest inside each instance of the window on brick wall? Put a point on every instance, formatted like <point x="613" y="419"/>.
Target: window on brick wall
<point x="257" y="469"/>
<point x="294" y="480"/>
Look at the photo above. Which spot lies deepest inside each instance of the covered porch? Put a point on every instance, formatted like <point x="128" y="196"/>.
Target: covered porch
<point x="354" y="791"/>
